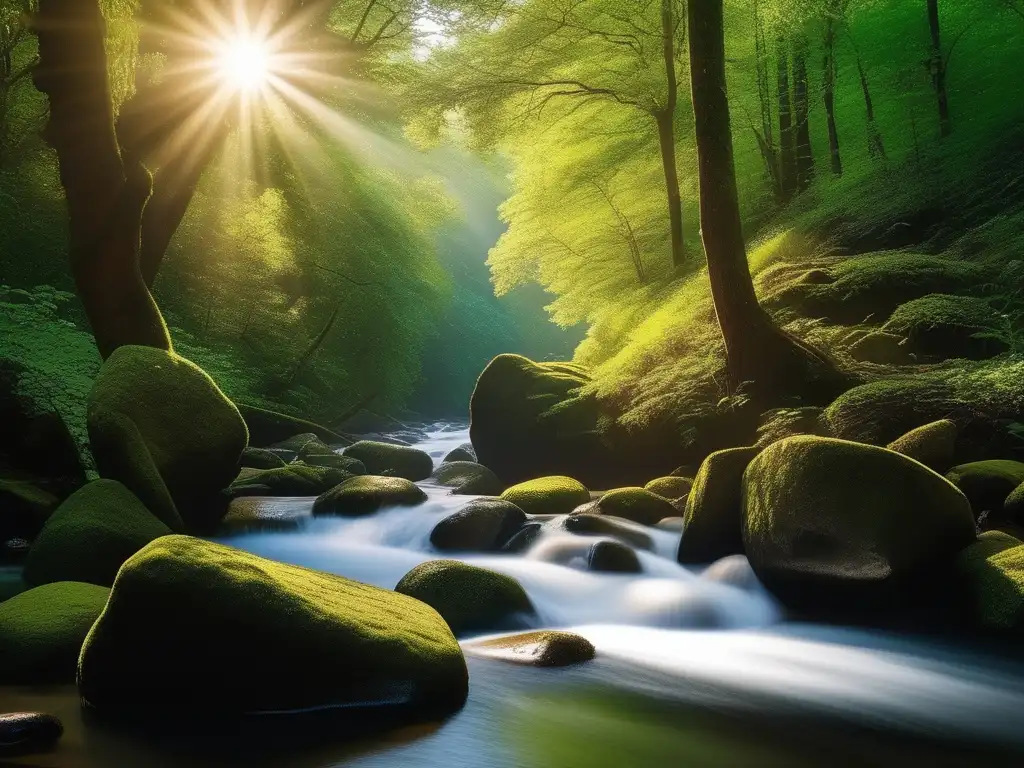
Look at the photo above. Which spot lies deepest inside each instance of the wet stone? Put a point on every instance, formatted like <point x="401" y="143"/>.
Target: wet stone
<point x="25" y="732"/>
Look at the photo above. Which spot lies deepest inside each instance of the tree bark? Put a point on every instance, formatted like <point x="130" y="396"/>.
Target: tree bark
<point x="106" y="193"/>
<point x="757" y="351"/>
<point x="937" y="69"/>
<point x="666" y="135"/>
<point x="801" y="109"/>
<point x="876" y="148"/>
<point x="829" y="82"/>
<point x="787" y="139"/>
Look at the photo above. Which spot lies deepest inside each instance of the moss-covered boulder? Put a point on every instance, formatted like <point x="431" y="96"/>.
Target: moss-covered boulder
<point x="934" y="445"/>
<point x="992" y="575"/>
<point x="261" y="458"/>
<point x="832" y="526"/>
<point x="366" y="494"/>
<point x="483" y="525"/>
<point x="24" y="508"/>
<point x="469" y="478"/>
<point x="178" y="606"/>
<point x="949" y="326"/>
<point x="712" y="520"/>
<point x="987" y="484"/>
<point x="395" y="460"/>
<point x="314" y="447"/>
<point x="291" y="480"/>
<point x="267" y="428"/>
<point x="670" y="487"/>
<point x="464" y="452"/>
<point x="468" y="598"/>
<point x="160" y="425"/>
<point x="335" y="461"/>
<point x="42" y="630"/>
<point x="546" y="648"/>
<point x="294" y="443"/>
<point x="555" y="495"/>
<point x="1013" y="507"/>
<point x="636" y="504"/>
<point x="882" y="348"/>
<point x="90" y="535"/>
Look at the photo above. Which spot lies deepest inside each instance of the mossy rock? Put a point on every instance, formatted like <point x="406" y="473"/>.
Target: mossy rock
<point x="483" y="525"/>
<point x="1013" y="507"/>
<point x="934" y="445"/>
<point x="987" y="484"/>
<point x="290" y="480"/>
<point x="992" y="574"/>
<point x="160" y="425"/>
<point x="24" y="509"/>
<point x="294" y="443"/>
<point x="468" y="598"/>
<point x="315" y="447"/>
<point x="42" y="630"/>
<point x="468" y="478"/>
<point x="267" y="428"/>
<point x="366" y="494"/>
<point x="260" y="458"/>
<point x="832" y="526"/>
<point x="635" y="504"/>
<point x="882" y="348"/>
<point x="335" y="461"/>
<point x="712" y="520"/>
<point x="464" y="452"/>
<point x="546" y="648"/>
<point x="182" y="603"/>
<point x="554" y="495"/>
<point x="395" y="460"/>
<point x="780" y="423"/>
<point x="599" y="525"/>
<point x="90" y="535"/>
<point x="610" y="556"/>
<point x="670" y="487"/>
<point x="947" y="326"/>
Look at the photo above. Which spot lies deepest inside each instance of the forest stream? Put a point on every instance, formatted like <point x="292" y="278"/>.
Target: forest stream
<point x="693" y="667"/>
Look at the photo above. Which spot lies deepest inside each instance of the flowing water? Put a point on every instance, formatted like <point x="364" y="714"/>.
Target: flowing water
<point x="695" y="667"/>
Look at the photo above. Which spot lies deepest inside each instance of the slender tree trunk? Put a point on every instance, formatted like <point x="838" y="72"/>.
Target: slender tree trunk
<point x="876" y="148"/>
<point x="756" y="349"/>
<point x="801" y="109"/>
<point x="937" y="68"/>
<point x="787" y="139"/>
<point x="765" y="138"/>
<point x="666" y="135"/>
<point x="829" y="81"/>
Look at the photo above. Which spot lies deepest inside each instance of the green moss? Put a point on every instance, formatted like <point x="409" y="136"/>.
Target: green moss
<point x="1013" y="507"/>
<point x="161" y="426"/>
<point x="336" y="461"/>
<point x="670" y="487"/>
<point x="188" y="615"/>
<point x="464" y="452"/>
<point x="881" y="348"/>
<point x="258" y="458"/>
<point x="992" y="570"/>
<point x="934" y="445"/>
<point x="90" y="535"/>
<point x="366" y="494"/>
<point x="555" y="495"/>
<point x="829" y="524"/>
<point x="467" y="597"/>
<point x="290" y="480"/>
<point x="269" y="427"/>
<point x="42" y="630"/>
<point x="397" y="460"/>
<point x="712" y="522"/>
<point x="467" y="477"/>
<point x="636" y="504"/>
<point x="946" y="326"/>
<point x="987" y="484"/>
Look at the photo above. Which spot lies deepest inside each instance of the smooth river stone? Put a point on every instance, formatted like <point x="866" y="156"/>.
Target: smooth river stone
<point x="24" y="732"/>
<point x="547" y="648"/>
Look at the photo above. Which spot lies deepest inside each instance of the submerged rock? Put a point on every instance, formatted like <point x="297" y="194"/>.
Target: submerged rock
<point x="934" y="445"/>
<point x="525" y="537"/>
<point x="261" y="458"/>
<point x="483" y="525"/>
<point x="670" y="487"/>
<point x="396" y="460"/>
<point x="22" y="733"/>
<point x="90" y="535"/>
<point x="601" y="525"/>
<point x="160" y="425"/>
<point x="555" y="495"/>
<point x="464" y="452"/>
<point x="546" y="648"/>
<point x="987" y="484"/>
<point x="468" y="598"/>
<point x="832" y="526"/>
<point x="366" y="494"/>
<point x="635" y="504"/>
<point x="181" y="604"/>
<point x="468" y="478"/>
<point x="42" y="630"/>
<point x="992" y="571"/>
<point x="734" y="570"/>
<point x="610" y="556"/>
<point x="291" y="480"/>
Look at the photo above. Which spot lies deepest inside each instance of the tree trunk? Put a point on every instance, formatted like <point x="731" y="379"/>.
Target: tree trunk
<point x="666" y="135"/>
<point x="829" y="82"/>
<point x="757" y="351"/>
<point x="801" y="108"/>
<point x="787" y="139"/>
<point x="106" y="194"/>
<point x="875" y="146"/>
<point x="937" y="68"/>
<point x="765" y="138"/>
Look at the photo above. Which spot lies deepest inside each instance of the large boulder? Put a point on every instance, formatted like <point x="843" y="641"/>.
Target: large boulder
<point x="934" y="445"/>
<point x="712" y="521"/>
<point x="91" y="534"/>
<point x="291" y="480"/>
<point x="464" y="452"/>
<point x="366" y="494"/>
<point x="635" y="504"/>
<point x="483" y="525"/>
<point x="832" y="526"/>
<point x="187" y="630"/>
<point x="992" y="574"/>
<point x="42" y="630"/>
<point x="160" y="425"/>
<point x="987" y="484"/>
<point x="554" y="495"/>
<point x="469" y="598"/>
<point x="468" y="478"/>
<point x="949" y="326"/>
<point x="396" y="460"/>
<point x="1013" y="507"/>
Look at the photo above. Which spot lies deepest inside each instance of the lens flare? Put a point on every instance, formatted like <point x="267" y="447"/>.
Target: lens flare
<point x="244" y="63"/>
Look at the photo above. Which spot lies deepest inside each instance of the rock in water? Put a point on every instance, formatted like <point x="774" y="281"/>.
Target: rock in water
<point x="396" y="460"/>
<point x="469" y="598"/>
<point x="291" y="480"/>
<point x="547" y="648"/>
<point x="41" y="631"/>
<point x="934" y="445"/>
<point x="261" y="458"/>
<point x="160" y="425"/>
<point x="335" y="461"/>
<point x="987" y="484"/>
<point x="832" y="526"/>
<point x="464" y="452"/>
<point x="548" y="495"/>
<point x="190" y="623"/>
<point x="635" y="504"/>
<point x="483" y="525"/>
<point x="90" y="535"/>
<point x="992" y="571"/>
<point x="25" y="732"/>
<point x="610" y="556"/>
<point x="670" y="487"/>
<point x="468" y="478"/>
<point x="600" y="525"/>
<point x="365" y="494"/>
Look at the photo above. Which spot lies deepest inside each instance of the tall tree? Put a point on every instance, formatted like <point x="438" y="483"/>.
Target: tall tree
<point x="787" y="133"/>
<point x="801" y="114"/>
<point x="829" y="87"/>
<point x="937" y="68"/>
